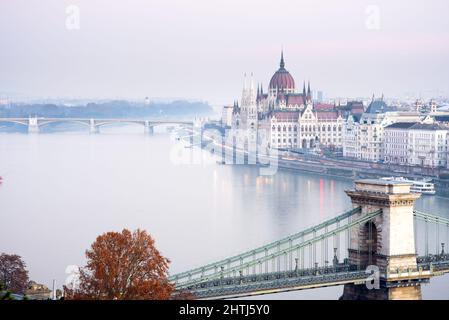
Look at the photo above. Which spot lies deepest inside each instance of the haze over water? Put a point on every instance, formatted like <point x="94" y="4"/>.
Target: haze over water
<point x="62" y="190"/>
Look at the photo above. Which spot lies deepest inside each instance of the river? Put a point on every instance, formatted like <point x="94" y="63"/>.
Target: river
<point x="61" y="190"/>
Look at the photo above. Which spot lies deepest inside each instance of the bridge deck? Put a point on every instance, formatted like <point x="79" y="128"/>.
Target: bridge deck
<point x="275" y="282"/>
<point x="43" y="120"/>
<point x="232" y="287"/>
<point x="284" y="286"/>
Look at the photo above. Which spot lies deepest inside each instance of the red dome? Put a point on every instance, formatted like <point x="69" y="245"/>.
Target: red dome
<point x="282" y="79"/>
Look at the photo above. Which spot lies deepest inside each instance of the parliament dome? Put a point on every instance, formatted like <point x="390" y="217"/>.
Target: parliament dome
<point x="282" y="80"/>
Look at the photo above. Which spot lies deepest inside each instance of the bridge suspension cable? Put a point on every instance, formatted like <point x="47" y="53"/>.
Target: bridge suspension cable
<point x="299" y="236"/>
<point x="432" y="224"/>
<point x="278" y="256"/>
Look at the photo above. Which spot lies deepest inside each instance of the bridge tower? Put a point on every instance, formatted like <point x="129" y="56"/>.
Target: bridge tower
<point x="148" y="128"/>
<point x="93" y="127"/>
<point x="387" y="242"/>
<point x="33" y="126"/>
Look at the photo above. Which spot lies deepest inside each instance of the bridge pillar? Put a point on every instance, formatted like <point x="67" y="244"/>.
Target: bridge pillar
<point x="33" y="126"/>
<point x="361" y="292"/>
<point x="192" y="137"/>
<point x="392" y="233"/>
<point x="387" y="242"/>
<point x="149" y="129"/>
<point x="93" y="127"/>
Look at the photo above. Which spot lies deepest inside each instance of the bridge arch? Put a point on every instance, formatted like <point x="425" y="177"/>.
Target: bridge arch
<point x="369" y="242"/>
<point x="102" y="123"/>
<point x="45" y="123"/>
<point x="14" y="121"/>
<point x="34" y="123"/>
<point x="174" y="123"/>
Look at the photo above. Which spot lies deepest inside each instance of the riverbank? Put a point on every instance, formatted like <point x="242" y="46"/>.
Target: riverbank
<point x="350" y="169"/>
<point x="354" y="169"/>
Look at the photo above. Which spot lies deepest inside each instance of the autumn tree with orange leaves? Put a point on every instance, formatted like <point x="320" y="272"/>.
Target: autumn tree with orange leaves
<point x="123" y="266"/>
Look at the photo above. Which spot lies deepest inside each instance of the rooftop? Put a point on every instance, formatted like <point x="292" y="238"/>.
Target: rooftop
<point x="378" y="106"/>
<point x="417" y="126"/>
<point x="327" y="115"/>
<point x="428" y="126"/>
<point x="285" y="115"/>
<point x="401" y="125"/>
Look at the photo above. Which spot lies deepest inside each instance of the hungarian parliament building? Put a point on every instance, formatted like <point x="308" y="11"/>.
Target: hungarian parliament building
<point x="291" y="119"/>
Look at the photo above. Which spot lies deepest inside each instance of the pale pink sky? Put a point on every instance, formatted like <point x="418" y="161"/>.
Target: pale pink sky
<point x="201" y="49"/>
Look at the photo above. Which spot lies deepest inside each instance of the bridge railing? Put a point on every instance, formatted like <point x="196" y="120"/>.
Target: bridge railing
<point x="241" y="287"/>
<point x="274" y="276"/>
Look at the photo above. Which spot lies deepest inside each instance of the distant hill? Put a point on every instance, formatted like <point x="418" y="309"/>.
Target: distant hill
<point x="111" y="109"/>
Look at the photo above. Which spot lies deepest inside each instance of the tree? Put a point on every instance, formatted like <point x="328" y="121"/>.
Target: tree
<point x="13" y="273"/>
<point x="4" y="295"/>
<point x="123" y="266"/>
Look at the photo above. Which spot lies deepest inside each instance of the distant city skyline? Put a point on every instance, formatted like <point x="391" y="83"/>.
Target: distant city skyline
<point x="200" y="50"/>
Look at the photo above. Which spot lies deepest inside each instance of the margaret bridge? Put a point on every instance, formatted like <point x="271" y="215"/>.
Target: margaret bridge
<point x="34" y="123"/>
<point x="405" y="246"/>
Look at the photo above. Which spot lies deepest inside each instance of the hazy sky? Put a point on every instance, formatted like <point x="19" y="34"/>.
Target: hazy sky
<point x="201" y="49"/>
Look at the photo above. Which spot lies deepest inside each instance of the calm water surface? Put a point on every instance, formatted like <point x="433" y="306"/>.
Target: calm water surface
<point x="61" y="190"/>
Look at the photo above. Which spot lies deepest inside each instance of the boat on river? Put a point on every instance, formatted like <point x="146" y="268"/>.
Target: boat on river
<point x="424" y="186"/>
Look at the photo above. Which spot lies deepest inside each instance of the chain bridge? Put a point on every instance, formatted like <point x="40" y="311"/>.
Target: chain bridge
<point x="382" y="237"/>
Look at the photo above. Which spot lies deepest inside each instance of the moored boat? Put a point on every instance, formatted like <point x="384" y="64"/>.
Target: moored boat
<point x="424" y="186"/>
